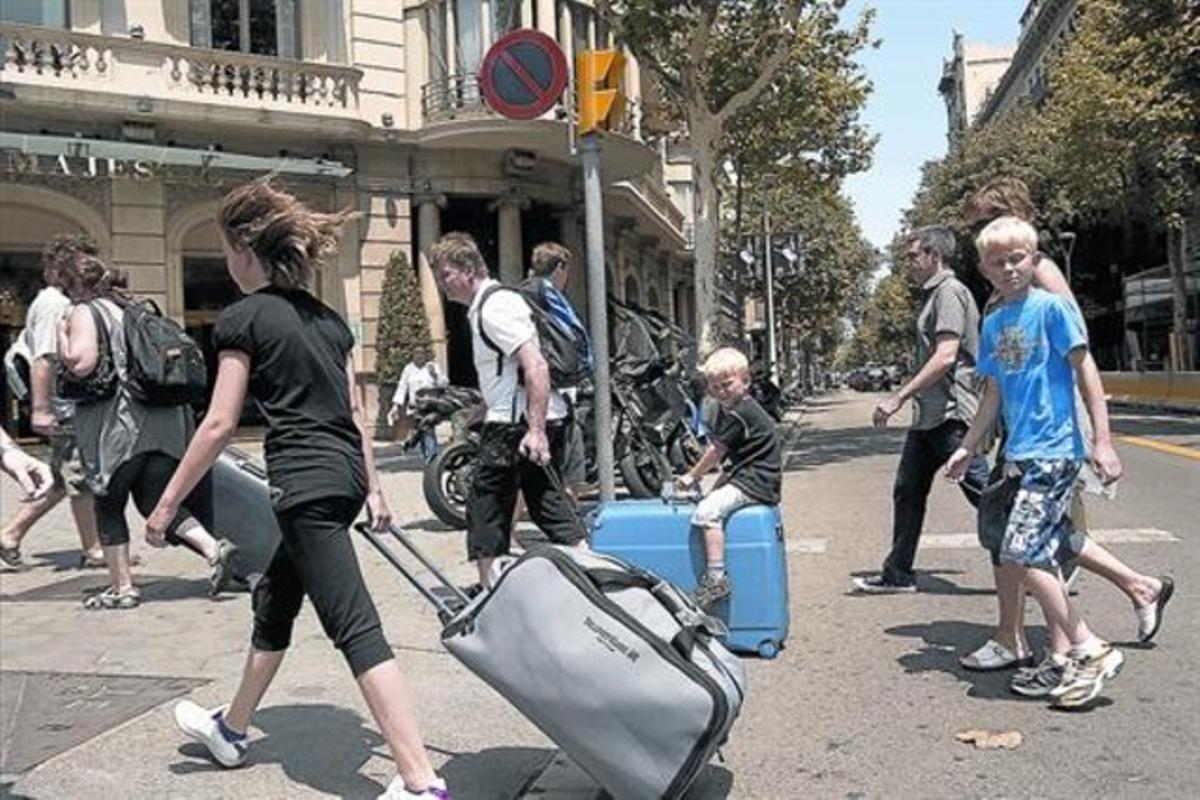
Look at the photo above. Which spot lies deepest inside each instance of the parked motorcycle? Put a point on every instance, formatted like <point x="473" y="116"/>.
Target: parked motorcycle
<point x="447" y="476"/>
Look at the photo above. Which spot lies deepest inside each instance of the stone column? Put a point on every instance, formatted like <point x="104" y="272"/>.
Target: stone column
<point x="570" y="235"/>
<point x="545" y="17"/>
<point x="566" y="38"/>
<point x="429" y="228"/>
<point x="508" y="208"/>
<point x="139" y="244"/>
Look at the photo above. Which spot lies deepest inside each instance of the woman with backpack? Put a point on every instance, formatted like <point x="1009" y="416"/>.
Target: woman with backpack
<point x="129" y="448"/>
<point x="294" y="356"/>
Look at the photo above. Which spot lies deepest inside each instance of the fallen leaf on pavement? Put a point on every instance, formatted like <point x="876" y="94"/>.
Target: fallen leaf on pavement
<point x="988" y="740"/>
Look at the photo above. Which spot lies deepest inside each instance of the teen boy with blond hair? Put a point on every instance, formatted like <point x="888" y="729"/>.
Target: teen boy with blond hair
<point x="1033" y="351"/>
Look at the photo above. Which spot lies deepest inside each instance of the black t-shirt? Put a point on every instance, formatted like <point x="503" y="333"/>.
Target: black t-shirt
<point x="752" y="441"/>
<point x="298" y="348"/>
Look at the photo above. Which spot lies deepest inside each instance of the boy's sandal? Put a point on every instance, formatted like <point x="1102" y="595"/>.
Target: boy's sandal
<point x="112" y="600"/>
<point x="994" y="656"/>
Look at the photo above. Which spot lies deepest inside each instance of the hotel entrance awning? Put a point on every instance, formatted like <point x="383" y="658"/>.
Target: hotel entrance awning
<point x="157" y="155"/>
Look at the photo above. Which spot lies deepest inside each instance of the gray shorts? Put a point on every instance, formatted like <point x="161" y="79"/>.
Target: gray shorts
<point x="718" y="505"/>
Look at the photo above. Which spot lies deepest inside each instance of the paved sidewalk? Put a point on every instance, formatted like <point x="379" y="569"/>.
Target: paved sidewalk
<point x="117" y="675"/>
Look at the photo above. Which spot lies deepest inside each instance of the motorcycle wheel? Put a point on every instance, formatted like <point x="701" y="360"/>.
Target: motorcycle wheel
<point x="644" y="468"/>
<point x="447" y="482"/>
<point x="686" y="449"/>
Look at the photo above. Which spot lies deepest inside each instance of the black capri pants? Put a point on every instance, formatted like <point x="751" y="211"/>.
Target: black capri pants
<point x="316" y="558"/>
<point x="145" y="478"/>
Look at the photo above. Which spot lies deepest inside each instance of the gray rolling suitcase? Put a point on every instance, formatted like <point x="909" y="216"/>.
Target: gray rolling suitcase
<point x="242" y="512"/>
<point x="616" y="666"/>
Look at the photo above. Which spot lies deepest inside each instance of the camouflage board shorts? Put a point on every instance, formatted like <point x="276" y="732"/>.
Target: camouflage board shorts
<point x="1039" y="527"/>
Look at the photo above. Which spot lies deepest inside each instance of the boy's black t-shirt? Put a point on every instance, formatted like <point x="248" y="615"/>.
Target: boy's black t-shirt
<point x="755" y="461"/>
<point x="298" y="348"/>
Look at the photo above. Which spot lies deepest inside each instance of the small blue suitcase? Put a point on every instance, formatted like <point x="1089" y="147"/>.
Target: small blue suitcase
<point x="658" y="536"/>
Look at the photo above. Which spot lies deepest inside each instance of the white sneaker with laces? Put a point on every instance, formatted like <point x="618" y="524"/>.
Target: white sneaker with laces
<point x="201" y="724"/>
<point x="396" y="790"/>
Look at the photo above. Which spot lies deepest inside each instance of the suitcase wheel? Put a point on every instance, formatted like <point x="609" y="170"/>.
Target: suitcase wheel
<point x="768" y="649"/>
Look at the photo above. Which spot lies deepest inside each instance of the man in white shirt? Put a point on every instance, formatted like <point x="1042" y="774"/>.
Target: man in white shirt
<point x="51" y="416"/>
<point x="525" y="424"/>
<point x="414" y="378"/>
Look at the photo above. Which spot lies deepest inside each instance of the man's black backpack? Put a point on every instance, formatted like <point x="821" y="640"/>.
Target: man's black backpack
<point x="164" y="366"/>
<point x="563" y="347"/>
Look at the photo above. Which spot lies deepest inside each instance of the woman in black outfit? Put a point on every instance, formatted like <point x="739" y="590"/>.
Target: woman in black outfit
<point x="293" y="355"/>
<point x="128" y="448"/>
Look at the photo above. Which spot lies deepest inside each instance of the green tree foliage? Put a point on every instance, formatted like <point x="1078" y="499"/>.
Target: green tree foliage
<point x="1116" y="140"/>
<point x="830" y="280"/>
<point x="884" y="333"/>
<point x="403" y="329"/>
<point x="750" y="82"/>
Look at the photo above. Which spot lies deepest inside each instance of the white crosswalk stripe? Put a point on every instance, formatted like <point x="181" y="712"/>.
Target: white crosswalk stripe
<point x="964" y="541"/>
<point x="806" y="547"/>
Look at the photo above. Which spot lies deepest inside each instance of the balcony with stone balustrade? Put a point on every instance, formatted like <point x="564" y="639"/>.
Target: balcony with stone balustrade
<point x="130" y="77"/>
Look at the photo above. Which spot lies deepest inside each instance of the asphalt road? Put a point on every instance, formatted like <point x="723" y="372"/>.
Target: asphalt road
<point x="869" y="698"/>
<point x="864" y="702"/>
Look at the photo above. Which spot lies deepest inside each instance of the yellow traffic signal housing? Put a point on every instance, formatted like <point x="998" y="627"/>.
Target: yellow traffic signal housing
<point x="601" y="102"/>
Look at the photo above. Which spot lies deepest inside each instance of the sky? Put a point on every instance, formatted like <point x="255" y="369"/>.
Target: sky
<point x="905" y="109"/>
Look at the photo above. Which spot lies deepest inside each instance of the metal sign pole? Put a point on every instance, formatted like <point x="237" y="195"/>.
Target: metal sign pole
<point x="589" y="151"/>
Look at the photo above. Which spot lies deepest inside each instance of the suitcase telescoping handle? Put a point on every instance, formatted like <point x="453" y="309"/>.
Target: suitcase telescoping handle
<point x="444" y="609"/>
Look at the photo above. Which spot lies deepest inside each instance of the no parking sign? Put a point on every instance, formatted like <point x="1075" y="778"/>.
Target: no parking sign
<point x="523" y="74"/>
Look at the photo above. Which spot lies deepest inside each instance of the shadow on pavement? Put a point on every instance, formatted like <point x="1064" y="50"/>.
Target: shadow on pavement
<point x="821" y="403"/>
<point x="816" y="448"/>
<point x="498" y="772"/>
<point x="318" y="745"/>
<point x="429" y="525"/>
<point x="154" y="588"/>
<point x="945" y="640"/>
<point x="713" y="783"/>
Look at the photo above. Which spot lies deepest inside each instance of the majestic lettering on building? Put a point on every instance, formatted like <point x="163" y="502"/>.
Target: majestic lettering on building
<point x="76" y="166"/>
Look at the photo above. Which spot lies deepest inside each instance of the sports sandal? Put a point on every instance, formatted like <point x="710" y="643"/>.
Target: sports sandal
<point x="113" y="600"/>
<point x="993" y="656"/>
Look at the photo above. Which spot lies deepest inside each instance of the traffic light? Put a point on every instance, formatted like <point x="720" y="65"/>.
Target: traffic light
<point x="601" y="103"/>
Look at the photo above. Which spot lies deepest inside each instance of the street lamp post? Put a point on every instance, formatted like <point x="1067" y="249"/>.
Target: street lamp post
<point x="772" y="354"/>
<point x="1067" y="240"/>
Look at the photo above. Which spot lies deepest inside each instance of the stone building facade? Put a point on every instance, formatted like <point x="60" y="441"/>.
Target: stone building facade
<point x="128" y="120"/>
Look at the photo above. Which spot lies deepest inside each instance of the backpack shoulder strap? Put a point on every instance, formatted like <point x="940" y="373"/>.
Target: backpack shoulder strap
<point x="483" y="332"/>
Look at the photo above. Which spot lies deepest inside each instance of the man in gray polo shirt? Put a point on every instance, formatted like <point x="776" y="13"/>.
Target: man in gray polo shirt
<point x="944" y="402"/>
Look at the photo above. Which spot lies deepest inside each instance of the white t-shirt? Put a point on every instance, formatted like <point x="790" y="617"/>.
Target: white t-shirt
<point x="41" y="336"/>
<point x="413" y="379"/>
<point x="509" y="325"/>
<point x="41" y="322"/>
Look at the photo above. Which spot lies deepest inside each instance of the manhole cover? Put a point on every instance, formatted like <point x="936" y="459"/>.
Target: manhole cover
<point x="45" y="713"/>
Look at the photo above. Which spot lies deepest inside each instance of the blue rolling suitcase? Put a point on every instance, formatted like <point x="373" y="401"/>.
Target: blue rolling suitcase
<point x="658" y="536"/>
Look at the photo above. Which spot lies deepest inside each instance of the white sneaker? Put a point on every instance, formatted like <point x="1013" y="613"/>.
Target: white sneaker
<point x="201" y="724"/>
<point x="396" y="790"/>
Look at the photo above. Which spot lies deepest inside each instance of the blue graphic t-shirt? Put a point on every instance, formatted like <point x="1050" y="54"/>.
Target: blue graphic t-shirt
<point x="1024" y="349"/>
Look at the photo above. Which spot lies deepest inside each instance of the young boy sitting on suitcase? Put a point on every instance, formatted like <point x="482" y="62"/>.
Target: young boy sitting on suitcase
<point x="745" y="435"/>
